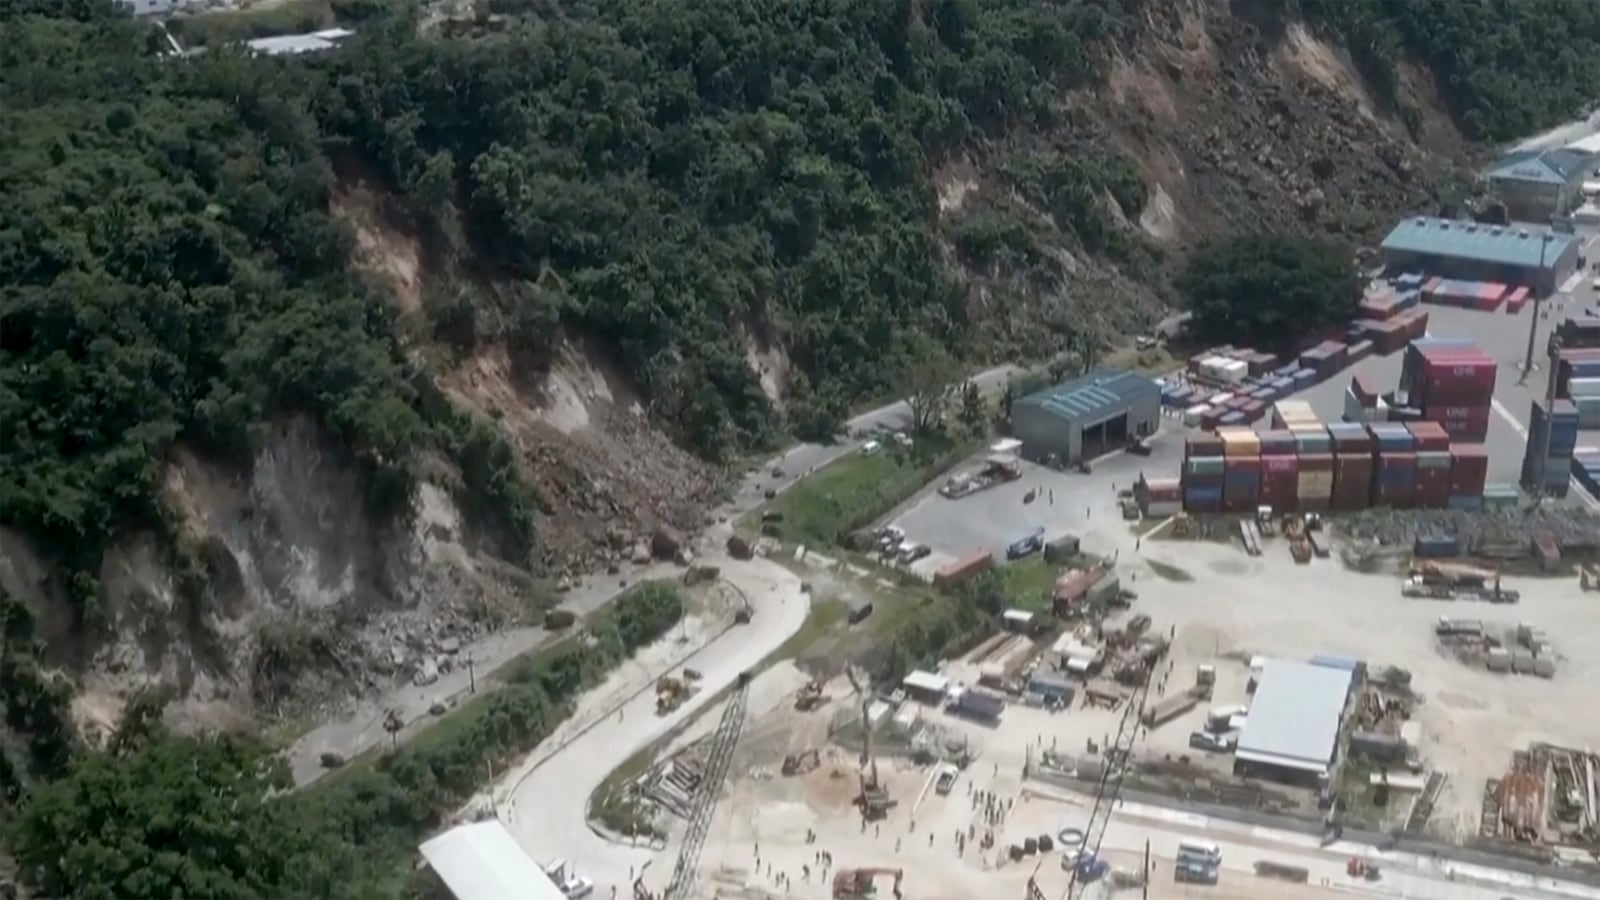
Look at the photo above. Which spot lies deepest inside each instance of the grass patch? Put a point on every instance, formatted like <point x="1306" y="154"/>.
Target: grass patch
<point x="854" y="490"/>
<point x="1029" y="584"/>
<point x="1168" y="571"/>
<point x="824" y="616"/>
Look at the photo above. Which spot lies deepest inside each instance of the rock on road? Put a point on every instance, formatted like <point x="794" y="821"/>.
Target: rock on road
<point x="358" y="730"/>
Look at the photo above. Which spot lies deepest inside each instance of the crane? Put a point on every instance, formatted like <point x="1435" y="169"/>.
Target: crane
<point x="874" y="800"/>
<point x="1118" y="756"/>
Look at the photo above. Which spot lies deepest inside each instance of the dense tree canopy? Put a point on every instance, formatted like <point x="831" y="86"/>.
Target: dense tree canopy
<point x="1507" y="67"/>
<point x="1268" y="289"/>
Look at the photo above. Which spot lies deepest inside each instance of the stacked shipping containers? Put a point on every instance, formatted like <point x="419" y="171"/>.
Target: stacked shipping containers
<point x="1469" y="469"/>
<point x="1394" y="476"/>
<point x="1203" y="471"/>
<point x="1586" y="468"/>
<point x="1159" y="497"/>
<point x="1280" y="467"/>
<point x="1451" y="382"/>
<point x="1556" y="431"/>
<point x="1314" y="484"/>
<point x="1516" y="300"/>
<point x="1352" y="466"/>
<point x="1432" y="447"/>
<point x="1577" y="378"/>
<point x="1241" y="474"/>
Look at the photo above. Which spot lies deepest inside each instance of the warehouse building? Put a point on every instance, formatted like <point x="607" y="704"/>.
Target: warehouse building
<point x="481" y="861"/>
<point x="1086" y="417"/>
<point x="1534" y="258"/>
<point x="1292" y="732"/>
<point x="1540" y="185"/>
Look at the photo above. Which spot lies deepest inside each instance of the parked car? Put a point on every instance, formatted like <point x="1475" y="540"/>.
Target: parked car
<point x="946" y="782"/>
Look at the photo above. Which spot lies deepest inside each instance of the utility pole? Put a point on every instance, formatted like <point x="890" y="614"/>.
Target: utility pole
<point x="1144" y="892"/>
<point x="472" y="675"/>
<point x="1533" y="324"/>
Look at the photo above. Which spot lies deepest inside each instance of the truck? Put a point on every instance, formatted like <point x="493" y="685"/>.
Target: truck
<point x="1026" y="545"/>
<point x="981" y="705"/>
<point x="1169" y="708"/>
<point x="997" y="468"/>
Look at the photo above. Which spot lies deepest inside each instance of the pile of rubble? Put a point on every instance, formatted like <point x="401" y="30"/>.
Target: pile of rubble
<point x="1496" y="533"/>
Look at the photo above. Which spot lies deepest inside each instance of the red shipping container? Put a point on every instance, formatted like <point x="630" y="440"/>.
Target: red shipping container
<point x="1469" y="423"/>
<point x="1487" y="304"/>
<point x="1491" y="290"/>
<point x="1364" y="389"/>
<point x="1204" y="446"/>
<point x="1352" y="483"/>
<point x="1279" y="489"/>
<point x="1253" y="410"/>
<point x="1279" y="464"/>
<point x="1432" y="490"/>
<point x="1452" y="372"/>
<point x="1428" y="435"/>
<point x="1210" y="418"/>
<point x="1469" y="469"/>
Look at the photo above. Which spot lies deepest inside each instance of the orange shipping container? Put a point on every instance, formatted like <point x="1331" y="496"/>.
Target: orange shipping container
<point x="967" y="566"/>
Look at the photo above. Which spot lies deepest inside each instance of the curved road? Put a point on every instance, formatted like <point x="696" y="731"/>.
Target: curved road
<point x="360" y="729"/>
<point x="545" y="806"/>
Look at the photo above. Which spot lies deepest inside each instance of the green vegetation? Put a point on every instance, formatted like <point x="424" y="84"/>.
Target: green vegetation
<point x="1264" y="289"/>
<point x="1029" y="584"/>
<point x="1508" y="69"/>
<point x="37" y="738"/>
<point x="163" y="815"/>
<point x="853" y="491"/>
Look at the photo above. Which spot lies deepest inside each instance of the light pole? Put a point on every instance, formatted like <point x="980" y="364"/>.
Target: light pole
<point x="472" y="675"/>
<point x="1533" y="324"/>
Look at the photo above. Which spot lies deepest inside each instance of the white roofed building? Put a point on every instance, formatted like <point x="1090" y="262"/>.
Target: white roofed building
<point x="1292" y="733"/>
<point x="481" y="861"/>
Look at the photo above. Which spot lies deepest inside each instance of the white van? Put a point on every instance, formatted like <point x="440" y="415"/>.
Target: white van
<point x="1199" y="851"/>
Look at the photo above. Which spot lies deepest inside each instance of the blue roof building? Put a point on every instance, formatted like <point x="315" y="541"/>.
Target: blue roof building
<point x="1540" y="185"/>
<point x="1087" y="416"/>
<point x="1509" y="254"/>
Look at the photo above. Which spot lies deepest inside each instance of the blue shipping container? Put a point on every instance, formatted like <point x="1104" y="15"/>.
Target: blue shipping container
<point x="1343" y="663"/>
<point x="1466" y="503"/>
<point x="1233" y="418"/>
<point x="1436" y="546"/>
<point x="1304" y="378"/>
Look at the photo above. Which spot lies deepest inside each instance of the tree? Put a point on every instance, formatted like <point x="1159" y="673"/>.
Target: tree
<point x="174" y="817"/>
<point x="1268" y="289"/>
<point x="971" y="406"/>
<point x="927" y="375"/>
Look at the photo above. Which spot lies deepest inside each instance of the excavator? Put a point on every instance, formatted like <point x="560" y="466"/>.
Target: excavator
<point x="1439" y="579"/>
<point x="802" y="762"/>
<point x="670" y="693"/>
<point x="810" y="696"/>
<point x="874" y="800"/>
<point x="853" y="884"/>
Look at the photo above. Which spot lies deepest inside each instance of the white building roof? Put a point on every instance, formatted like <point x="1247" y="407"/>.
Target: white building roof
<point x="1295" y="716"/>
<point x="926" y="681"/>
<point x="1005" y="445"/>
<point x="289" y="44"/>
<point x="481" y="861"/>
<point x="1590" y="144"/>
<point x="1020" y="616"/>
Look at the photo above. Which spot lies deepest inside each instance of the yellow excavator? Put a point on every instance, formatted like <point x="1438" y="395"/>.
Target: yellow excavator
<point x="670" y="693"/>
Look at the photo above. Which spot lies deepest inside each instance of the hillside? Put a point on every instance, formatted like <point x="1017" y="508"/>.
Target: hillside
<point x="312" y="364"/>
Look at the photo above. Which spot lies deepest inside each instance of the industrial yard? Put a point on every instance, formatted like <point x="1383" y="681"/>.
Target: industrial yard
<point x="1313" y="640"/>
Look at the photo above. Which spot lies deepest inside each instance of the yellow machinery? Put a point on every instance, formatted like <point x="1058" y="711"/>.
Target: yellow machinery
<point x="801" y="763"/>
<point x="670" y="693"/>
<point x="851" y="884"/>
<point x="810" y="696"/>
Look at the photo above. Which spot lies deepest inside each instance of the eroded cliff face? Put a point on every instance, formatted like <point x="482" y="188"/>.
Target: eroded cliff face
<point x="280" y="592"/>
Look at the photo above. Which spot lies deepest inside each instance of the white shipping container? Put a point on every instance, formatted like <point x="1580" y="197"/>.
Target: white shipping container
<point x="1584" y="387"/>
<point x="1191" y="416"/>
<point x="1163" y="509"/>
<point x="1220" y="399"/>
<point x="1353" y="410"/>
<point x="1235" y="371"/>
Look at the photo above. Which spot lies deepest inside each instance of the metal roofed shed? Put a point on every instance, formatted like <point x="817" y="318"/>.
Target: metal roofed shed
<point x="1017" y="619"/>
<point x="481" y="861"/>
<point x="1087" y="416"/>
<point x="1509" y="254"/>
<point x="926" y="686"/>
<point x="1540" y="185"/>
<point x="1293" y="729"/>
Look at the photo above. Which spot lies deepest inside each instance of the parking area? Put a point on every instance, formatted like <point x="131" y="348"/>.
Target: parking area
<point x="1063" y="502"/>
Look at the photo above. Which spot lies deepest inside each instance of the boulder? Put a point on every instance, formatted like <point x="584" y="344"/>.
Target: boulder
<point x="665" y="543"/>
<point x="740" y="547"/>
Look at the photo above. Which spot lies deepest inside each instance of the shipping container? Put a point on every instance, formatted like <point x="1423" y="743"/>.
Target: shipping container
<point x="1350" y="437"/>
<point x="1242" y="443"/>
<point x="964" y="567"/>
<point x="1469" y="467"/>
<point x="1429" y="436"/>
<point x="1202" y="445"/>
<point x="1436" y="546"/>
<point x="1202" y="499"/>
<point x="979" y="704"/>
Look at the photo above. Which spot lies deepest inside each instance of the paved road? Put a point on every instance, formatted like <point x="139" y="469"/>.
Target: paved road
<point x="360" y="729"/>
<point x="545" y="805"/>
